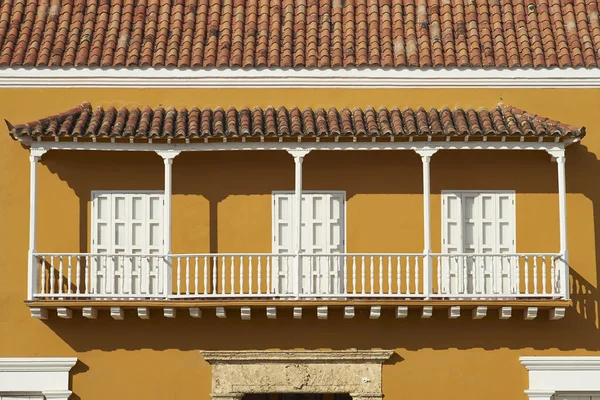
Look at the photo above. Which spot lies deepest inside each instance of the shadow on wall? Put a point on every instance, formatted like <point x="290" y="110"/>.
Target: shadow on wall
<point x="217" y="175"/>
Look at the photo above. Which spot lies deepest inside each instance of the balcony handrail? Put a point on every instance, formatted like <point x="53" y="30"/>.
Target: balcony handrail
<point x="294" y="254"/>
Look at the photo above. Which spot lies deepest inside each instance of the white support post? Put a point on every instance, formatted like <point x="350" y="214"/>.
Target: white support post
<point x="558" y="155"/>
<point x="168" y="156"/>
<point x="426" y="155"/>
<point x="298" y="155"/>
<point x="32" y="276"/>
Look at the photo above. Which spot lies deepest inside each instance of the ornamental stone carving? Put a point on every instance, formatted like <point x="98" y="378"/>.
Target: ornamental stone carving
<point x="357" y="372"/>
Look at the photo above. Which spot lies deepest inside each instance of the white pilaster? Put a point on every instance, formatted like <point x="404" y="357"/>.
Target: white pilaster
<point x="558" y="155"/>
<point x="168" y="157"/>
<point x="32" y="277"/>
<point x="426" y="155"/>
<point x="298" y="155"/>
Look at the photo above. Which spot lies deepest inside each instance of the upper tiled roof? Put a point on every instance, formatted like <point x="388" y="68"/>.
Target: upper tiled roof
<point x="300" y="33"/>
<point x="159" y="123"/>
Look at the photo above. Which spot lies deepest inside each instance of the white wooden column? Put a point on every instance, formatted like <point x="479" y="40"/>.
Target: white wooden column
<point x="426" y="155"/>
<point x="558" y="155"/>
<point x="298" y="155"/>
<point x="32" y="278"/>
<point x="168" y="157"/>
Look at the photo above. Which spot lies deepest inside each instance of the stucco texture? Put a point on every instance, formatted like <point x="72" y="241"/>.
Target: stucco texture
<point x="222" y="203"/>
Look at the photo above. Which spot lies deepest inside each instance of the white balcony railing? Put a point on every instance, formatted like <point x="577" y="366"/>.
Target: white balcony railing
<point x="284" y="276"/>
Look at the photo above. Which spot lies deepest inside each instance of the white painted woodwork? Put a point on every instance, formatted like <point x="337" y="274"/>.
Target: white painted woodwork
<point x="39" y="313"/>
<point x="427" y="268"/>
<point x="117" y="313"/>
<point x="128" y="228"/>
<point x="558" y="377"/>
<point x="322" y="312"/>
<point x="427" y="312"/>
<point x="505" y="312"/>
<point x="89" y="312"/>
<point x="272" y="312"/>
<point x="479" y="312"/>
<point x="575" y="397"/>
<point x="349" y="312"/>
<point x="375" y="312"/>
<point x="557" y="313"/>
<point x="32" y="275"/>
<point x="454" y="312"/>
<point x="401" y="312"/>
<point x="245" y="313"/>
<point x="143" y="312"/>
<point x="297" y="312"/>
<point x="530" y="313"/>
<point x="195" y="312"/>
<point x="261" y="78"/>
<point x="560" y="158"/>
<point x="478" y="228"/>
<point x="64" y="312"/>
<point x="36" y="377"/>
<point x="170" y="312"/>
<point x="221" y="313"/>
<point x="322" y="232"/>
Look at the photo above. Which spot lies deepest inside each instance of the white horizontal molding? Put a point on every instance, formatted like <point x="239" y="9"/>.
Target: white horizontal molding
<point x="290" y="146"/>
<point x="296" y="78"/>
<point x="46" y="376"/>
<point x="549" y="375"/>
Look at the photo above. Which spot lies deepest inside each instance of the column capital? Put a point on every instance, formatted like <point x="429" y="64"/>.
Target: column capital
<point x="57" y="394"/>
<point x="540" y="394"/>
<point x="426" y="153"/>
<point x="557" y="154"/>
<point x="366" y="396"/>
<point x="36" y="153"/>
<point x="298" y="154"/>
<point x="168" y="155"/>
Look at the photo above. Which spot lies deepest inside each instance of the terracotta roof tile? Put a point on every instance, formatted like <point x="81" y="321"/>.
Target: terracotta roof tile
<point x="300" y="33"/>
<point x="161" y="123"/>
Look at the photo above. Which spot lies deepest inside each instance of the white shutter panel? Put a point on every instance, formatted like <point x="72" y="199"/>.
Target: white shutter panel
<point x="101" y="240"/>
<point x="505" y="242"/>
<point x="452" y="240"/>
<point x="335" y="245"/>
<point x="283" y="267"/>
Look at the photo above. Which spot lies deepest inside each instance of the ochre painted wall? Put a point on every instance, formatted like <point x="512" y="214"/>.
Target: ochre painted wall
<point x="222" y="203"/>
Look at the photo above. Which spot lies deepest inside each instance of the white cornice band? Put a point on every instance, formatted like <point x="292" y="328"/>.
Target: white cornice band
<point x="293" y="78"/>
<point x="56" y="364"/>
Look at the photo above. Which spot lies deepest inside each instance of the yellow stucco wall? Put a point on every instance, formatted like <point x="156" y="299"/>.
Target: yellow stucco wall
<point x="222" y="203"/>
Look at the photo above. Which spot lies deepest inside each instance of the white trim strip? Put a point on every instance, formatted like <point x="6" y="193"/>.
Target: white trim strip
<point x="290" y="78"/>
<point x="289" y="146"/>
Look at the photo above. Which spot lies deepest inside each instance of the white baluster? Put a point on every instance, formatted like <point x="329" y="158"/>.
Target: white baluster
<point x="526" y="275"/>
<point x="372" y="274"/>
<point x="223" y="268"/>
<point x="439" y="276"/>
<point x="250" y="274"/>
<point x="52" y="263"/>
<point x="70" y="272"/>
<point x="146" y="264"/>
<point x="232" y="277"/>
<point x="196" y="276"/>
<point x="122" y="272"/>
<point x="544" y="275"/>
<point x="417" y="275"/>
<point x="187" y="275"/>
<point x="205" y="275"/>
<point x="398" y="275"/>
<point x="60" y="275"/>
<point x="407" y="274"/>
<point x="259" y="260"/>
<point x="363" y="273"/>
<point x="214" y="277"/>
<point x="552" y="275"/>
<point x="328" y="261"/>
<point x="241" y="274"/>
<point x="77" y="273"/>
<point x="464" y="264"/>
<point x="389" y="275"/>
<point x="353" y="274"/>
<point x="380" y="275"/>
<point x="535" y="275"/>
<point x="41" y="260"/>
<point x="269" y="275"/>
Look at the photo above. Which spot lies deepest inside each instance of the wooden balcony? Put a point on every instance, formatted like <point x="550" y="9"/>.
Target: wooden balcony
<point x="307" y="277"/>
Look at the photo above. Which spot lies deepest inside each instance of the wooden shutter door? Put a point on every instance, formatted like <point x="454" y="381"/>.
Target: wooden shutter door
<point x="283" y="267"/>
<point x="452" y="240"/>
<point x="505" y="243"/>
<point x="102" y="228"/>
